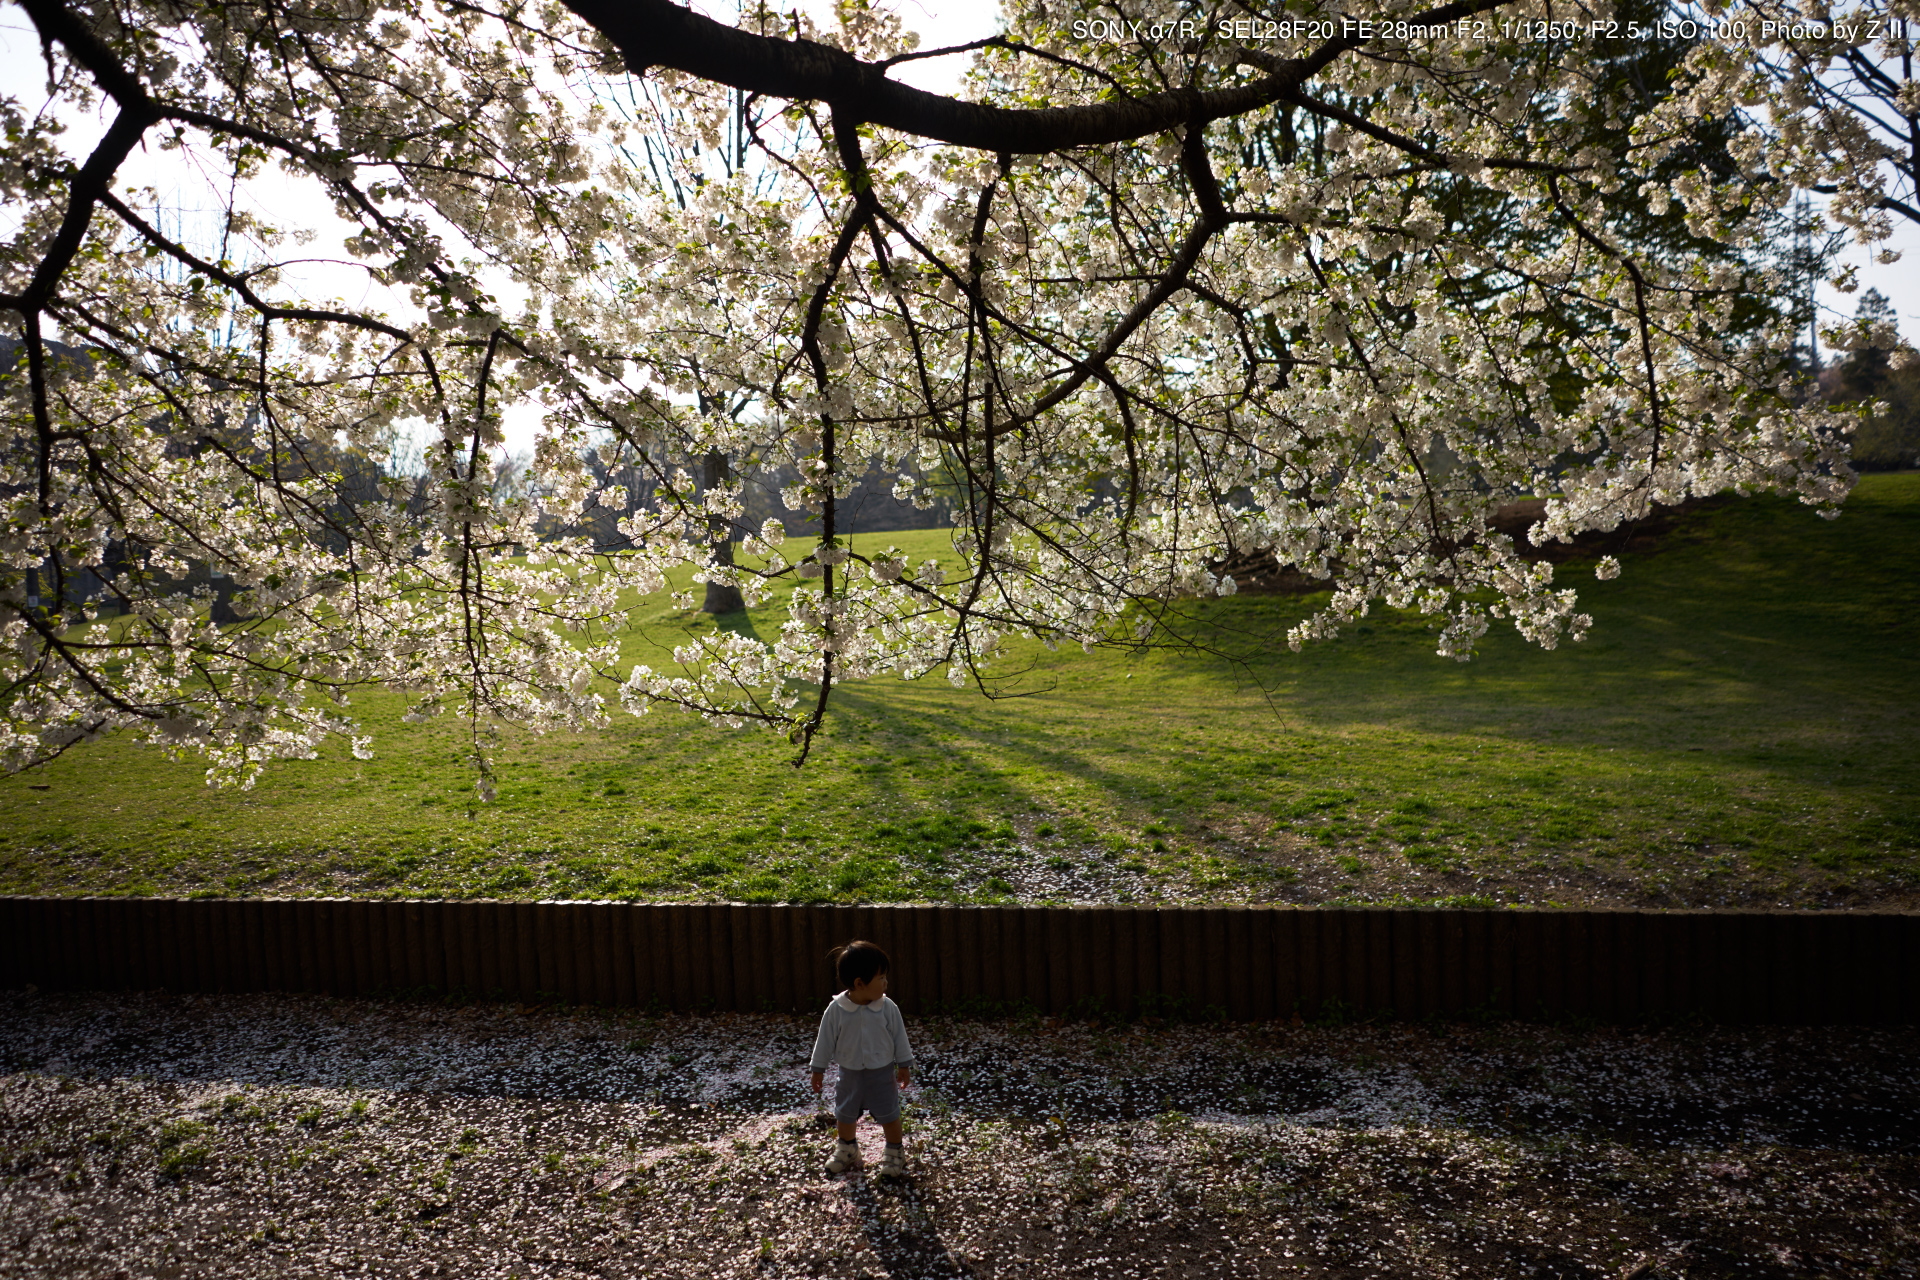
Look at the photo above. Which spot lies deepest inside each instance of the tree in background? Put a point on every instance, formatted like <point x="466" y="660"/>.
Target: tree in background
<point x="1888" y="437"/>
<point x="1152" y="297"/>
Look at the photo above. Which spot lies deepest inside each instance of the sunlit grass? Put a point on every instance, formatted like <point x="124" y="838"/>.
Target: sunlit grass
<point x="1740" y="727"/>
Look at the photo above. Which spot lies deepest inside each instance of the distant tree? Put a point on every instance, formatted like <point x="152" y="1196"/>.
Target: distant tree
<point x="1887" y="437"/>
<point x="1863" y="375"/>
<point x="722" y="595"/>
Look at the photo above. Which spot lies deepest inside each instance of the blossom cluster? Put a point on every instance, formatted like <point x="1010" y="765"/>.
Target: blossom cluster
<point x="1335" y="326"/>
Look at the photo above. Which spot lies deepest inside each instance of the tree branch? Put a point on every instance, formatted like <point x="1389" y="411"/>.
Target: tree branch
<point x="658" y="33"/>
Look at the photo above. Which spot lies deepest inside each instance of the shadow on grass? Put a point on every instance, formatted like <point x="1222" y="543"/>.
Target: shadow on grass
<point x="1748" y="690"/>
<point x="740" y="623"/>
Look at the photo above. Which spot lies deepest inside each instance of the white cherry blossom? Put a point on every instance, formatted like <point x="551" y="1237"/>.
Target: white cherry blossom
<point x="1148" y="311"/>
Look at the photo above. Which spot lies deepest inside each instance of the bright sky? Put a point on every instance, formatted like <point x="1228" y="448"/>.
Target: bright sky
<point x="1900" y="282"/>
<point x="940" y="23"/>
<point x="290" y="203"/>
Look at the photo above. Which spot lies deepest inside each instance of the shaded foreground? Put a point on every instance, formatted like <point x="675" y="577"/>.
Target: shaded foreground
<point x="151" y="1135"/>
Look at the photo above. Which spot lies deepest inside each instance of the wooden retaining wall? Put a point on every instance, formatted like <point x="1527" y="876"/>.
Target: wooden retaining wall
<point x="1245" y="962"/>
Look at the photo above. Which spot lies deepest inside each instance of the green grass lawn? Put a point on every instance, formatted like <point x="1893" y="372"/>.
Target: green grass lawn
<point x="1740" y="728"/>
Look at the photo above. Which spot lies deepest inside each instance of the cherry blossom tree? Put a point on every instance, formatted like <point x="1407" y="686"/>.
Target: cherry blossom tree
<point x="1851" y="127"/>
<point x="1158" y="291"/>
<point x="1840" y="84"/>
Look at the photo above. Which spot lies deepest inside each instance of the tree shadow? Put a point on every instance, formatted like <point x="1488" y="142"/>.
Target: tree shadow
<point x="896" y="1219"/>
<point x="740" y="622"/>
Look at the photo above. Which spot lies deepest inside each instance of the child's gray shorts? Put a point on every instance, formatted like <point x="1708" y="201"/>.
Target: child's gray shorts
<point x="872" y="1091"/>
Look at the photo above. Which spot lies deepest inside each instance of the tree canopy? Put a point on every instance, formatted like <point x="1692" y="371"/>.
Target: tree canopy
<point x="1159" y="290"/>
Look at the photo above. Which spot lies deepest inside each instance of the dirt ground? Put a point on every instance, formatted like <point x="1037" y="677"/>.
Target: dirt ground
<point x="166" y="1136"/>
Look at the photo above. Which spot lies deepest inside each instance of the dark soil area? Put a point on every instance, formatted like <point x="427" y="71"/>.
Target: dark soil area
<point x="152" y="1135"/>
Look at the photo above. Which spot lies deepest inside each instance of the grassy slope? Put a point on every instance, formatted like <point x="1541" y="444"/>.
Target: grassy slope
<point x="1740" y="728"/>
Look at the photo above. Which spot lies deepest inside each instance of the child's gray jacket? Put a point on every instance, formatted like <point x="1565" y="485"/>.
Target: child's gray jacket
<point x="861" y="1037"/>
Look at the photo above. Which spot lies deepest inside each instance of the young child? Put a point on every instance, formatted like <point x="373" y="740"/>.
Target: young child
<point x="863" y="1031"/>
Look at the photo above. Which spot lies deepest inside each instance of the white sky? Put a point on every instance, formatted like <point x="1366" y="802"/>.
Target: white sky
<point x="940" y="23"/>
<point x="1900" y="282"/>
<point x="291" y="203"/>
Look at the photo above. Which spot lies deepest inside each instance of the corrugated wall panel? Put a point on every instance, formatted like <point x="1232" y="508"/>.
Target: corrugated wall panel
<point x="1609" y="965"/>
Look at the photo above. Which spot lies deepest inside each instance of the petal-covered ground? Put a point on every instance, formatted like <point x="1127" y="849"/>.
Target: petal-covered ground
<point x="153" y="1135"/>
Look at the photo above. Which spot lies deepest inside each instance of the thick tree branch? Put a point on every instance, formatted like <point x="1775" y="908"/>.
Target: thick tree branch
<point x="658" y="33"/>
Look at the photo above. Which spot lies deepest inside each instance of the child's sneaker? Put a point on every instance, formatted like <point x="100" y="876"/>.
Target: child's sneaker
<point x="846" y="1158"/>
<point x="893" y="1162"/>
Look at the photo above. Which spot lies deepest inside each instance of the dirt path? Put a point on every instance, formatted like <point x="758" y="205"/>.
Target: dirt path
<point x="290" y="1136"/>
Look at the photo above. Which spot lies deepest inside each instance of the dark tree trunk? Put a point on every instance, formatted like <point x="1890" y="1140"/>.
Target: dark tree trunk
<point x="720" y="599"/>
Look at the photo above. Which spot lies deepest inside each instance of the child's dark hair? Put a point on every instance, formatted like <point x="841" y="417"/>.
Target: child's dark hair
<point x="858" y="962"/>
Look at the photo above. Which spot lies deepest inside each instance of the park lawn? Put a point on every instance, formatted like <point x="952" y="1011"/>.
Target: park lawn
<point x="1739" y="729"/>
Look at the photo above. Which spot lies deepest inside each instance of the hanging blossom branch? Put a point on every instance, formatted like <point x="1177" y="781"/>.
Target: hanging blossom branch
<point x="1144" y="311"/>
